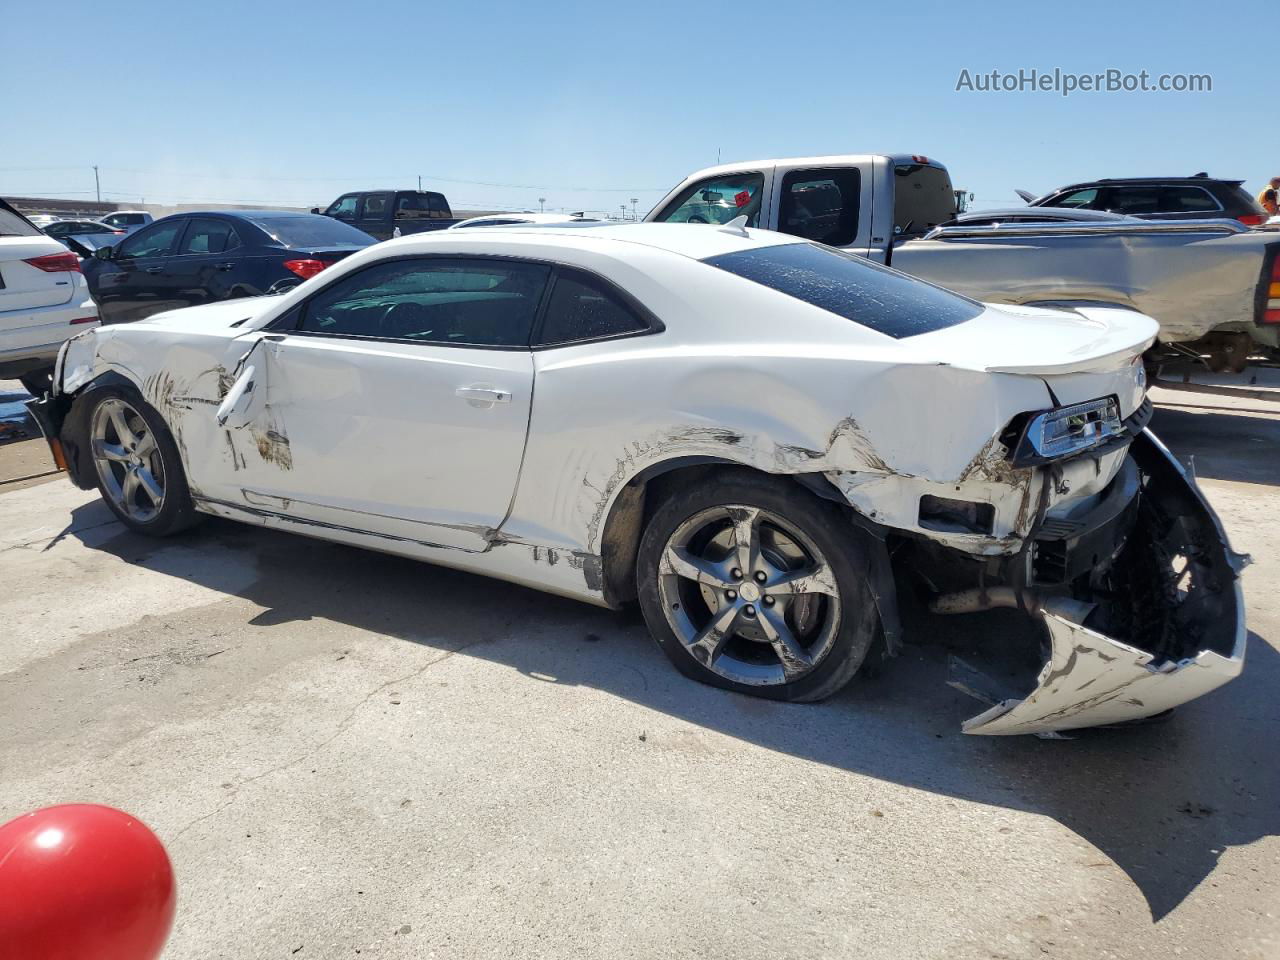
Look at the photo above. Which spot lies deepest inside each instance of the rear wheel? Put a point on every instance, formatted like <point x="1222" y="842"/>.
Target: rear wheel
<point x="138" y="468"/>
<point x="754" y="586"/>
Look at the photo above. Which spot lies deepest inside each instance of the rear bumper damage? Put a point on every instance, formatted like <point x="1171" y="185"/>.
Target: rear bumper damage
<point x="1154" y="625"/>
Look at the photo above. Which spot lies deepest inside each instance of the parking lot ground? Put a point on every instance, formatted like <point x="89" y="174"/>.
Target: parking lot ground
<point x="352" y="754"/>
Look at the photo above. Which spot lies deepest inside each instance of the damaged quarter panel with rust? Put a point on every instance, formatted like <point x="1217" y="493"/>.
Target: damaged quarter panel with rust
<point x="770" y="444"/>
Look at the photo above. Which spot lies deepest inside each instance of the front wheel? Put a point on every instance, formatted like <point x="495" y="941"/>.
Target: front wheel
<point x="138" y="468"/>
<point x="750" y="584"/>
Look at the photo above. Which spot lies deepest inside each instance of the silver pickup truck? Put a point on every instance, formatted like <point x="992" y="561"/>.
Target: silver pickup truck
<point x="1214" y="285"/>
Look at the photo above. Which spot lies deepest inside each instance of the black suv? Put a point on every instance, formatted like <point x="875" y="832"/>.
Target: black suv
<point x="1161" y="198"/>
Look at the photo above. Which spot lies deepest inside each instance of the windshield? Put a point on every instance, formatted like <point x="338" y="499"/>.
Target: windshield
<point x="312" y="231"/>
<point x="884" y="300"/>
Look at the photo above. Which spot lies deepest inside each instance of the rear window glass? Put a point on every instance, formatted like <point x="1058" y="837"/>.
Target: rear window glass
<point x="312" y="231"/>
<point x="884" y="300"/>
<point x="13" y="224"/>
<point x="922" y="198"/>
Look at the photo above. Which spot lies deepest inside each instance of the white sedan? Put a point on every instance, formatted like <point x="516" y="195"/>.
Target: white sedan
<point x="783" y="452"/>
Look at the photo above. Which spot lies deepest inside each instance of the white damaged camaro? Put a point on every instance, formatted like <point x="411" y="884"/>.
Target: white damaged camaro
<point x="783" y="452"/>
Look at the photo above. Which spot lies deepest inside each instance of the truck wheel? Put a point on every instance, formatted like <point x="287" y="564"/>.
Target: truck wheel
<point x="138" y="469"/>
<point x="747" y="583"/>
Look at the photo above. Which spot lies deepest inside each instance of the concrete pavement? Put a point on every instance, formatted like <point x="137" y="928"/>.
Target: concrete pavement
<point x="350" y="754"/>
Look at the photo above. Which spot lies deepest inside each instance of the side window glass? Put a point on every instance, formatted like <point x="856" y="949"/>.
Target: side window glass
<point x="1079" y="199"/>
<point x="1187" y="200"/>
<point x="208" y="236"/>
<point x="461" y="302"/>
<point x="821" y="205"/>
<point x="1133" y="200"/>
<point x="344" y="208"/>
<point x="375" y="206"/>
<point x="154" y="241"/>
<point x="718" y="200"/>
<point x="585" y="308"/>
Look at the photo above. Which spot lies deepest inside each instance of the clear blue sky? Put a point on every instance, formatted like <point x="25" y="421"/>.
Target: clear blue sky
<point x="591" y="104"/>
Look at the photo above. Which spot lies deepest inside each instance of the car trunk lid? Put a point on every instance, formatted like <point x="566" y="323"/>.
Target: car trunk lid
<point x="27" y="287"/>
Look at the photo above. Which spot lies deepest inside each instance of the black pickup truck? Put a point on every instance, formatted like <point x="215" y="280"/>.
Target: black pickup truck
<point x="392" y="213"/>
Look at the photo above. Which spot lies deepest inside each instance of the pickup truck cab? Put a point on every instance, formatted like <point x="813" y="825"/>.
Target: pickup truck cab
<point x="384" y="214"/>
<point x="1213" y="285"/>
<point x="863" y="203"/>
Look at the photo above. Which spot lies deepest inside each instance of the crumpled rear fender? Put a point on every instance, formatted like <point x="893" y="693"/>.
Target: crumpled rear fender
<point x="1091" y="679"/>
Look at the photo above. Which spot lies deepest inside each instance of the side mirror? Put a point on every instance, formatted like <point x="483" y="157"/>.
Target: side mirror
<point x="104" y="253"/>
<point x="315" y="209"/>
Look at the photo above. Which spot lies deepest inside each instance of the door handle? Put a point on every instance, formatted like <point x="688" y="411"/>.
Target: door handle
<point x="482" y="395"/>
<point x="154" y="269"/>
<point x="226" y="266"/>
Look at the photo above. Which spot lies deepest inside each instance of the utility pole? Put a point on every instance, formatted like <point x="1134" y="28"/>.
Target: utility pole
<point x="97" y="187"/>
<point x="541" y="204"/>
<point x="634" y="214"/>
<point x="419" y="183"/>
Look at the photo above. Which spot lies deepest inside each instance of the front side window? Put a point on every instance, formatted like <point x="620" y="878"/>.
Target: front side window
<point x="821" y="205"/>
<point x="718" y="200"/>
<point x="208" y="236"/>
<point x="852" y="287"/>
<point x="461" y="302"/>
<point x="583" y="307"/>
<point x="344" y="208"/>
<point x="1078" y="199"/>
<point x="155" y="241"/>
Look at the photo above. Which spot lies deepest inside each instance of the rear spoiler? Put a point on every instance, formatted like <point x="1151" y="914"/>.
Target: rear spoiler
<point x="961" y="232"/>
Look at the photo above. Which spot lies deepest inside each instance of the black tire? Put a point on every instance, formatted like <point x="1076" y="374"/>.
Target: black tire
<point x="852" y="629"/>
<point x="37" y="382"/>
<point x="176" y="513"/>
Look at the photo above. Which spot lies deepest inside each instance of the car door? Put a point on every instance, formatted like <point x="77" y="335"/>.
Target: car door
<point x="203" y="266"/>
<point x="375" y="215"/>
<point x="823" y="204"/>
<point x="393" y="402"/>
<point x="131" y="285"/>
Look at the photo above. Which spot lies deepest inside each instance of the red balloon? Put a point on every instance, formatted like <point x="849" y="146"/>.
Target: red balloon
<point x="83" y="882"/>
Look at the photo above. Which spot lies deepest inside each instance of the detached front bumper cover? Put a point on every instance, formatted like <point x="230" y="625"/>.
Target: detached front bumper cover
<point x="1091" y="679"/>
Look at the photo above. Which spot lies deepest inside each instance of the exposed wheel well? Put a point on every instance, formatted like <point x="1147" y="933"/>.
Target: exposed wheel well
<point x="644" y="493"/>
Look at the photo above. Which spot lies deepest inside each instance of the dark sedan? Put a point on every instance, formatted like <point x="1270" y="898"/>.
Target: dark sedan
<point x="191" y="259"/>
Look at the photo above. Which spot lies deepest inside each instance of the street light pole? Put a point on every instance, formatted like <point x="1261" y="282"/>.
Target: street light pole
<point x="541" y="204"/>
<point x="97" y="186"/>
<point x="634" y="213"/>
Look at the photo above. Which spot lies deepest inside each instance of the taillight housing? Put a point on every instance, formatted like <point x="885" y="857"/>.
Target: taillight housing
<point x="56" y="262"/>
<point x="1252" y="219"/>
<point x="307" y="269"/>
<point x="1271" y="298"/>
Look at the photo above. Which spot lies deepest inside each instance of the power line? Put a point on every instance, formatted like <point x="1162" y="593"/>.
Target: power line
<point x="366" y="178"/>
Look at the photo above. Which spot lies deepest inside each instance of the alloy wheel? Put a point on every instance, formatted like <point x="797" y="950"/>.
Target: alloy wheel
<point x="127" y="459"/>
<point x="749" y="595"/>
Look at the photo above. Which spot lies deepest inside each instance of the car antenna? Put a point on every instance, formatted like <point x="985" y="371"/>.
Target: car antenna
<point x="737" y="226"/>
